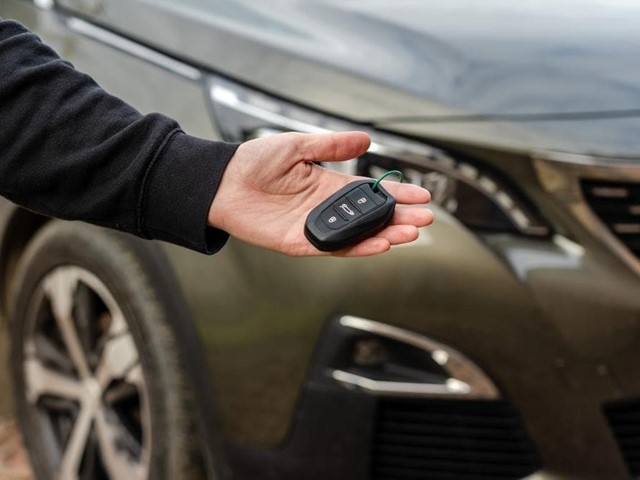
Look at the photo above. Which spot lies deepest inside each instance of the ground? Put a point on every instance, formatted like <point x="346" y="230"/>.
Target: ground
<point x="13" y="459"/>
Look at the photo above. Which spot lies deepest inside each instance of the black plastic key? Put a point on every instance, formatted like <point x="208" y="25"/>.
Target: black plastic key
<point x="350" y="215"/>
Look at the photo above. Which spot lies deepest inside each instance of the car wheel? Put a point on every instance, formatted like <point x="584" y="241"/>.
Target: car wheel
<point x="100" y="392"/>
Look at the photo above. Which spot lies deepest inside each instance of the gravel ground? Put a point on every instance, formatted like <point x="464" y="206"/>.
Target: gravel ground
<point x="13" y="459"/>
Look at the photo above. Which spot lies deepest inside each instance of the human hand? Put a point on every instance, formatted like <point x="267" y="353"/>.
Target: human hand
<point x="271" y="184"/>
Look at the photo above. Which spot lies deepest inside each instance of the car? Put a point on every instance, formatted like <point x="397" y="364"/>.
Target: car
<point x="502" y="344"/>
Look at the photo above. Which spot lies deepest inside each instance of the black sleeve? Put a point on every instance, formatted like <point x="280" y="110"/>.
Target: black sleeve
<point x="70" y="150"/>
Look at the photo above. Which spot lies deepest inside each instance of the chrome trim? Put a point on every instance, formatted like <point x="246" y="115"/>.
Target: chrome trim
<point x="452" y="388"/>
<point x="44" y="4"/>
<point x="132" y="48"/>
<point x="610" y="192"/>
<point x="466" y="379"/>
<point x="227" y="97"/>
<point x="626" y="228"/>
<point x="560" y="175"/>
<point x="569" y="246"/>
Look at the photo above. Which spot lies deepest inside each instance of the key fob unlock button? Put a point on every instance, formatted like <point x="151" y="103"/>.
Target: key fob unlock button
<point x="361" y="200"/>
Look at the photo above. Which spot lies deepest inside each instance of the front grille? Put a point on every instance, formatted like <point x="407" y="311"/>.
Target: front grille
<point x="618" y="206"/>
<point x="420" y="439"/>
<point x="624" y="420"/>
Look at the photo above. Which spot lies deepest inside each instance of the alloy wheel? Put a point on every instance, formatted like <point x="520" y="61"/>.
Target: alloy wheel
<point x="84" y="380"/>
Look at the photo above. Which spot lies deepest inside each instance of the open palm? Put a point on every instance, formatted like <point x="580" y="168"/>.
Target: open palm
<point x="271" y="184"/>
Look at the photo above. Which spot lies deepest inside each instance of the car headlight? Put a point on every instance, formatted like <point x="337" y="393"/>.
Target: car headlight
<point x="477" y="197"/>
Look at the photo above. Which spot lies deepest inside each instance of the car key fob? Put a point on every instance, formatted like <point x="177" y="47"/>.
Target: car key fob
<point x="350" y="215"/>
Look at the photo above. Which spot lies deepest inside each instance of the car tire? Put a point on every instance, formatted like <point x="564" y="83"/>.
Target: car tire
<point x="99" y="386"/>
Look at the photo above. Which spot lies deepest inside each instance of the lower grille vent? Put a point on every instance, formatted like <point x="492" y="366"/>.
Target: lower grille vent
<point x="624" y="420"/>
<point x="450" y="439"/>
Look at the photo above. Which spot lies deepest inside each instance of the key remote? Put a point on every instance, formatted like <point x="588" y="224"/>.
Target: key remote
<point x="350" y="215"/>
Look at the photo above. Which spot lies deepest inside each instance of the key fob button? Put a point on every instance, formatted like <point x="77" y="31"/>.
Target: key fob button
<point x="332" y="219"/>
<point x="346" y="209"/>
<point x="361" y="200"/>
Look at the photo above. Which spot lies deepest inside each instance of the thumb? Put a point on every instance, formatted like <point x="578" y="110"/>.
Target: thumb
<point x="332" y="147"/>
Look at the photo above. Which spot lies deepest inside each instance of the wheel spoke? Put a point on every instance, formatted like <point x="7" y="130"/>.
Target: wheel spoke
<point x="118" y="357"/>
<point x="42" y="380"/>
<point x="119" y="463"/>
<point x="60" y="287"/>
<point x="70" y="465"/>
<point x="117" y="325"/>
<point x="135" y="377"/>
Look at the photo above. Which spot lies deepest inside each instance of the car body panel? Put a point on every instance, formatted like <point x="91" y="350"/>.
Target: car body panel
<point x="187" y="105"/>
<point x="265" y="304"/>
<point x="555" y="75"/>
<point x="579" y="360"/>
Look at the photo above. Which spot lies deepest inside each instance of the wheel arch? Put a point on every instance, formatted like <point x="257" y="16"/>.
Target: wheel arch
<point x="17" y="227"/>
<point x="191" y="350"/>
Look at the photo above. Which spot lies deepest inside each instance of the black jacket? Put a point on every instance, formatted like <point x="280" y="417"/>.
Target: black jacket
<point x="70" y="150"/>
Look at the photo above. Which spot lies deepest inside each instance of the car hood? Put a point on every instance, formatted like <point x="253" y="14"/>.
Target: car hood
<point x="573" y="58"/>
<point x="411" y="61"/>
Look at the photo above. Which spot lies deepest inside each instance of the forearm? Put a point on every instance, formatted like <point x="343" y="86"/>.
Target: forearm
<point x="68" y="149"/>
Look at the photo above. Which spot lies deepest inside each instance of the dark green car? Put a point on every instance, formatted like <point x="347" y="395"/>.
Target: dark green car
<point x="503" y="344"/>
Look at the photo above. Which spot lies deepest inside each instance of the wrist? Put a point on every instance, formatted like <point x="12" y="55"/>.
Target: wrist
<point x="179" y="187"/>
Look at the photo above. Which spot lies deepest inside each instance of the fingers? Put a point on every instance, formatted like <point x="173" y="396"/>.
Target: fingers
<point x="382" y="242"/>
<point x="407" y="193"/>
<point x="419" y="217"/>
<point x="399" y="234"/>
<point x="339" y="146"/>
<point x="366" y="248"/>
<point x="331" y="147"/>
<point x="403" y="229"/>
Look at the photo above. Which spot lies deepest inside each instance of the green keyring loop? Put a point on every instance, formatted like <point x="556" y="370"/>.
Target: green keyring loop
<point x="397" y="173"/>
